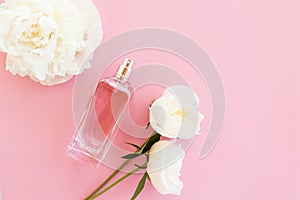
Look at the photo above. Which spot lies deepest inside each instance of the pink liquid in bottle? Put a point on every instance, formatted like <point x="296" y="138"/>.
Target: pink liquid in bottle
<point x="109" y="103"/>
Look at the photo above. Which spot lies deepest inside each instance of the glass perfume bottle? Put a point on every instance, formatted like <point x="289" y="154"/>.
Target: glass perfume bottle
<point x="99" y="121"/>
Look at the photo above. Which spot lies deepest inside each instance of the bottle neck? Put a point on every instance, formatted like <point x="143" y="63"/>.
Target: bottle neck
<point x="120" y="79"/>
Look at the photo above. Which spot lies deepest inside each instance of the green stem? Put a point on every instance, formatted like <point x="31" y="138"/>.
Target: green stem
<point x="107" y="180"/>
<point x="116" y="182"/>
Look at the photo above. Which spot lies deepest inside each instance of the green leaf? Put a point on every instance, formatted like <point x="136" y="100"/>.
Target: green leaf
<point x="148" y="177"/>
<point x="134" y="145"/>
<point x="153" y="139"/>
<point x="131" y="156"/>
<point x="154" y="133"/>
<point x="148" y="125"/>
<point x="140" y="187"/>
<point x="141" y="167"/>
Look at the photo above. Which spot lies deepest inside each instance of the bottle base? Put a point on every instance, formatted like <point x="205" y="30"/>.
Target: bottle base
<point x="78" y="153"/>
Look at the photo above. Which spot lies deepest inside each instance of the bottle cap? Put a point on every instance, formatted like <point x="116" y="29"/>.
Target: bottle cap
<point x="124" y="70"/>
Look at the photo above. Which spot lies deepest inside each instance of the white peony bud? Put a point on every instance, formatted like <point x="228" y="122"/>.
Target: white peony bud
<point x="175" y="113"/>
<point x="165" y="162"/>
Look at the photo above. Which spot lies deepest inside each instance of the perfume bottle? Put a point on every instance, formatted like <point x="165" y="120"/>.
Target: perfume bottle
<point x="99" y="121"/>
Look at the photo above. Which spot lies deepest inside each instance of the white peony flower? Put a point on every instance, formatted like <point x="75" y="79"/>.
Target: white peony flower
<point x="175" y="113"/>
<point x="164" y="165"/>
<point x="49" y="40"/>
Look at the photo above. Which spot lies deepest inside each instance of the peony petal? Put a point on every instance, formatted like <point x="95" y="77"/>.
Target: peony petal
<point x="93" y="31"/>
<point x="175" y="114"/>
<point x="165" y="162"/>
<point x="49" y="40"/>
<point x="185" y="95"/>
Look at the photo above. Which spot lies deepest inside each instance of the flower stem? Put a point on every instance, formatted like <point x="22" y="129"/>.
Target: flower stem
<point x="107" y="180"/>
<point x="116" y="182"/>
<point x="115" y="172"/>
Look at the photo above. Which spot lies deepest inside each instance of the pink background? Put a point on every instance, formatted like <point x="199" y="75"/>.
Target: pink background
<point x="255" y="45"/>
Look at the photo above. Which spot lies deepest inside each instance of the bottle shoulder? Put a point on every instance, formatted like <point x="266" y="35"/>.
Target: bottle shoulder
<point x="123" y="86"/>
